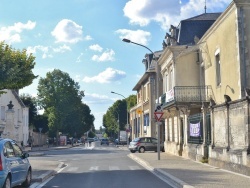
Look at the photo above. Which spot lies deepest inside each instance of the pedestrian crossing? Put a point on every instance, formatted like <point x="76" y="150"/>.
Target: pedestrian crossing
<point x="100" y="148"/>
<point x="101" y="168"/>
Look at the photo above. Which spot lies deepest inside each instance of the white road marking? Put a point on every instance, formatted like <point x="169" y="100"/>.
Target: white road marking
<point x="94" y="168"/>
<point x="134" y="168"/>
<point x="114" y="168"/>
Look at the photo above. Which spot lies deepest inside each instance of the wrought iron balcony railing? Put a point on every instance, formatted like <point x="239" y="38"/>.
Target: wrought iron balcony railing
<point x="187" y="94"/>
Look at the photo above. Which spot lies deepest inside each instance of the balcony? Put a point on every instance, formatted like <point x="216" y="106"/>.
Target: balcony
<point x="187" y="94"/>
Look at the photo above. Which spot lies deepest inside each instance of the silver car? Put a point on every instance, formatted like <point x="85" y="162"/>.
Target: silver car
<point x="142" y="144"/>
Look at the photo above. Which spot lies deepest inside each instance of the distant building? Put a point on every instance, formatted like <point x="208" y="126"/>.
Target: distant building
<point x="14" y="117"/>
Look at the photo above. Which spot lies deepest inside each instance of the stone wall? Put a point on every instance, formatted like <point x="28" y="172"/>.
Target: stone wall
<point x="230" y="149"/>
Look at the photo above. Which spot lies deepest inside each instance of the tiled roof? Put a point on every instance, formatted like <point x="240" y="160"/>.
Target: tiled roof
<point x="195" y="26"/>
<point x="205" y="16"/>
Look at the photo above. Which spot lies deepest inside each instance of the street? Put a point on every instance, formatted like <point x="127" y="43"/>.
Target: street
<point x="102" y="166"/>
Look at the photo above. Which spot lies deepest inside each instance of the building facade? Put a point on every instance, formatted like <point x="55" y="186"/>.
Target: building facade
<point x="14" y="121"/>
<point x="226" y="65"/>
<point x="142" y="119"/>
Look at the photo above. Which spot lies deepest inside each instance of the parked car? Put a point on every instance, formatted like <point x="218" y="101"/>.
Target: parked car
<point x="15" y="168"/>
<point x="104" y="141"/>
<point x="142" y="144"/>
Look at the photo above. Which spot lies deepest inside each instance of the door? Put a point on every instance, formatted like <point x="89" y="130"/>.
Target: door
<point x="154" y="143"/>
<point x="23" y="164"/>
<point x="12" y="162"/>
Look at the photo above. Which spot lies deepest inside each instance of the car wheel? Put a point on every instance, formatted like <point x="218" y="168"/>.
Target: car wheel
<point x="27" y="181"/>
<point x="141" y="150"/>
<point x="132" y="151"/>
<point x="7" y="183"/>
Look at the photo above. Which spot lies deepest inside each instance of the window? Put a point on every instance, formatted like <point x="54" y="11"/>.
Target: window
<point x="154" y="141"/>
<point x="8" y="150"/>
<point x="170" y="80"/>
<point x="2" y="112"/>
<point x="146" y="120"/>
<point x="166" y="83"/>
<point x="17" y="149"/>
<point x="218" y="67"/>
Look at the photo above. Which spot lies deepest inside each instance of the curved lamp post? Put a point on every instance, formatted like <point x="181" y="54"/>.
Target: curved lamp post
<point x="129" y="41"/>
<point x="157" y="92"/>
<point x="118" y="121"/>
<point x="126" y="111"/>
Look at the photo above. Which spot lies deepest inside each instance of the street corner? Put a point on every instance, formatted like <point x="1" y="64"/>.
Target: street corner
<point x="41" y="178"/>
<point x="42" y="175"/>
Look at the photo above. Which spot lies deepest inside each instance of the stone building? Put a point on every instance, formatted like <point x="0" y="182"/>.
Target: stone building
<point x="14" y="121"/>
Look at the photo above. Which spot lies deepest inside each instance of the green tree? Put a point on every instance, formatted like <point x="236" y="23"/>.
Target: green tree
<point x="80" y="121"/>
<point x="30" y="102"/>
<point x="131" y="101"/>
<point x="15" y="68"/>
<point x="41" y="121"/>
<point x="60" y="97"/>
<point x="121" y="108"/>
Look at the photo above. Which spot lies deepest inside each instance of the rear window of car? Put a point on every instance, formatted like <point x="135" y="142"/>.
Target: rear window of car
<point x="104" y="139"/>
<point x="136" y="140"/>
<point x="145" y="140"/>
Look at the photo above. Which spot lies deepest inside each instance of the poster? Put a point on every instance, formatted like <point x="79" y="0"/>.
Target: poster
<point x="195" y="129"/>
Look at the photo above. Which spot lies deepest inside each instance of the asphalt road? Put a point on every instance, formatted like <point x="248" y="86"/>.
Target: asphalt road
<point x="104" y="166"/>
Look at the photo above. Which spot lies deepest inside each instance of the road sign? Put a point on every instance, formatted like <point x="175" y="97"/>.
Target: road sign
<point x="158" y="115"/>
<point x="158" y="108"/>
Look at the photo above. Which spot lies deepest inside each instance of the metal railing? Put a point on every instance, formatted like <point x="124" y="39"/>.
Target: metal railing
<point x="187" y="94"/>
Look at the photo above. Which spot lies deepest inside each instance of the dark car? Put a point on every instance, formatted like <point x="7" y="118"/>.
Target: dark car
<point x="15" y="168"/>
<point x="142" y="144"/>
<point x="104" y="141"/>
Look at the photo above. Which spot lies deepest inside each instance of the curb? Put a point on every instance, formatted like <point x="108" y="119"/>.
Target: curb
<point x="168" y="178"/>
<point x="48" y="174"/>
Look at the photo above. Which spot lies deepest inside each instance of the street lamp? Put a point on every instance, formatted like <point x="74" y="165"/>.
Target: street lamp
<point x="129" y="41"/>
<point x="126" y="111"/>
<point x="118" y="121"/>
<point x="157" y="92"/>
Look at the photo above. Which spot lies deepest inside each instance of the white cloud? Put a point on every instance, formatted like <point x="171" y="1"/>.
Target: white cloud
<point x="96" y="47"/>
<point x="62" y="49"/>
<point x="107" y="76"/>
<point x="93" y="98"/>
<point x="139" y="36"/>
<point x="168" y="12"/>
<point x="193" y="7"/>
<point x="11" y="34"/>
<point x="39" y="48"/>
<point x="78" y="78"/>
<point x="46" y="50"/>
<point x="88" y="37"/>
<point x="108" y="55"/>
<point x="67" y="31"/>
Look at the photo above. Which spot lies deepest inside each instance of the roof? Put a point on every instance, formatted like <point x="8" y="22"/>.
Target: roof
<point x="195" y="26"/>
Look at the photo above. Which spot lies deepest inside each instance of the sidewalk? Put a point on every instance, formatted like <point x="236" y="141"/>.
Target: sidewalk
<point x="181" y="172"/>
<point x="43" y="169"/>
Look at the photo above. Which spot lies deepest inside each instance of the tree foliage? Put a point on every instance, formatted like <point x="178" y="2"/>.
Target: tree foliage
<point x="119" y="109"/>
<point x="60" y="96"/>
<point x="15" y="68"/>
<point x="36" y="121"/>
<point x="30" y="102"/>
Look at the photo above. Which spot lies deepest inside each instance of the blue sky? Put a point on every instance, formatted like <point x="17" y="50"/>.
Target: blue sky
<point x="84" y="39"/>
